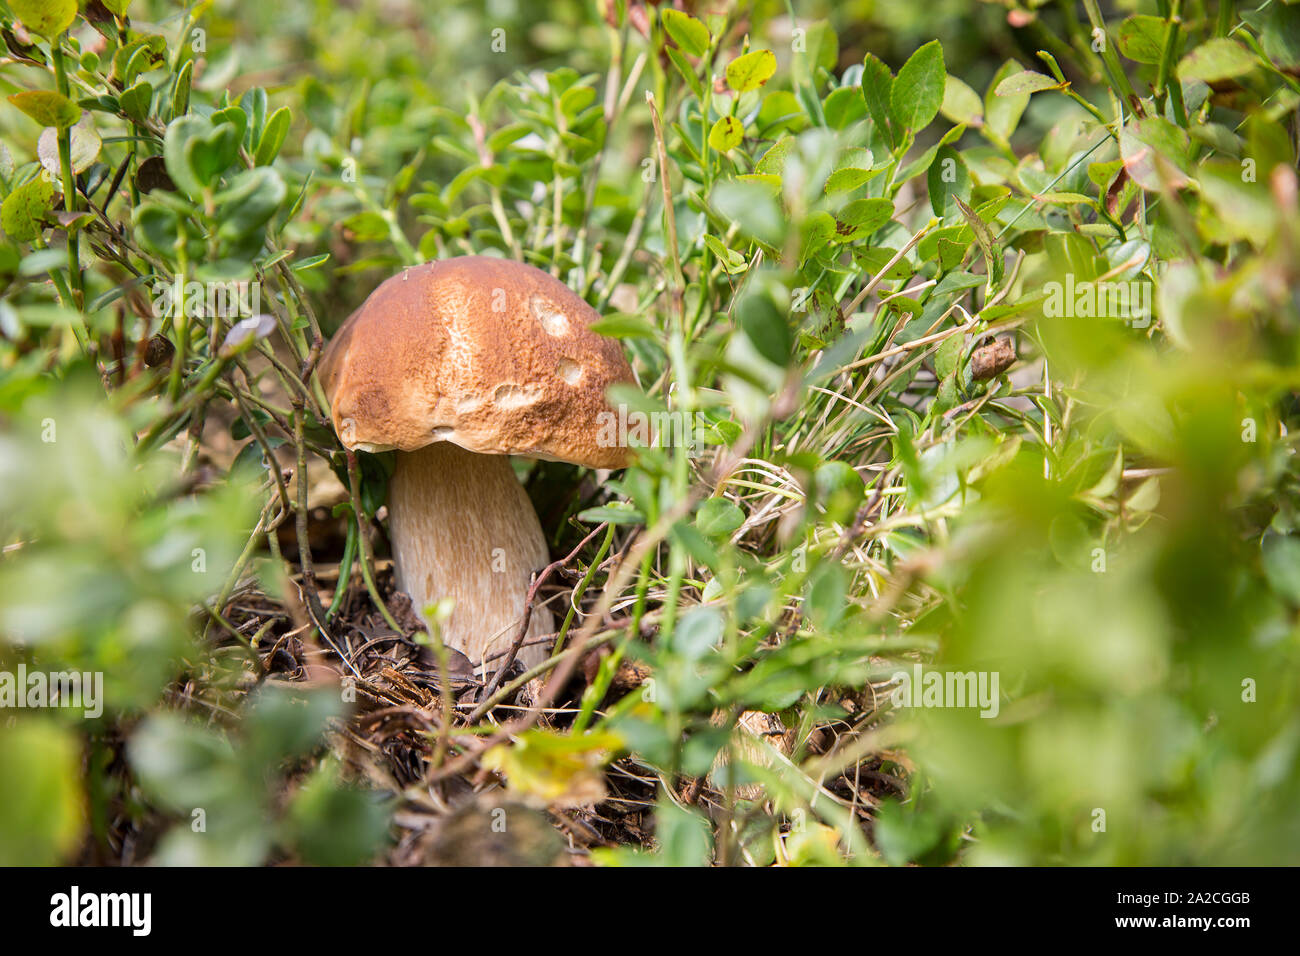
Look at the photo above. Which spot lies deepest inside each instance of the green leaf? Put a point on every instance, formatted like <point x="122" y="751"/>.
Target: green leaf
<point x="157" y="226"/>
<point x="183" y="766"/>
<point x="772" y="162"/>
<point x="575" y="100"/>
<point x="750" y="71"/>
<point x="135" y="101"/>
<point x="684" y="836"/>
<point x="25" y="209"/>
<point x="917" y="93"/>
<point x="618" y="512"/>
<point x="1219" y="59"/>
<point x="285" y="723"/>
<point x="49" y="18"/>
<point x="843" y="108"/>
<point x="138" y="56"/>
<point x="683" y="67"/>
<point x="993" y="260"/>
<point x="42" y="262"/>
<point x="47" y="107"/>
<point x="820" y="51"/>
<point x="827" y="595"/>
<point x="1156" y="153"/>
<point x="181" y="91"/>
<point x="862" y="217"/>
<point x="366" y="226"/>
<point x="752" y="206"/>
<point x="951" y="252"/>
<point x="311" y="262"/>
<point x="766" y="327"/>
<point x="1281" y="559"/>
<point x="918" y="165"/>
<point x="252" y="199"/>
<point x="1247" y="210"/>
<point x="197" y="153"/>
<point x="780" y="111"/>
<point x="873" y="262"/>
<point x="621" y="325"/>
<point x="905" y="834"/>
<point x="731" y="260"/>
<point x="848" y="179"/>
<point x="698" y="633"/>
<point x="961" y="104"/>
<point x="818" y="229"/>
<point x="506" y="135"/>
<point x="334" y="825"/>
<point x="718" y="517"/>
<point x="1278" y="27"/>
<point x="277" y="127"/>
<point x="726" y="134"/>
<point x="236" y="116"/>
<point x="1025" y="82"/>
<point x="877" y="84"/>
<point x="1002" y="113"/>
<point x="1141" y="38"/>
<point x="948" y="355"/>
<point x="253" y="105"/>
<point x="947" y="177"/>
<point x="687" y="32"/>
<point x="854" y="158"/>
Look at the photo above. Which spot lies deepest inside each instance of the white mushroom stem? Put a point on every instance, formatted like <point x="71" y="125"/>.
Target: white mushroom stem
<point x="462" y="528"/>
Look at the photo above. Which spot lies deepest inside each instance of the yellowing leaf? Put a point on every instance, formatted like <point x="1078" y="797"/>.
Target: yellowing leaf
<point x="25" y="209"/>
<point x="751" y="71"/>
<point x="561" y="770"/>
<point x="726" y="134"/>
<point x="39" y="790"/>
<point x="49" y="18"/>
<point x="815" y="845"/>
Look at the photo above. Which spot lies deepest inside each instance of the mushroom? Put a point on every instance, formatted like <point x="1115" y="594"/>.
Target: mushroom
<point x="457" y="365"/>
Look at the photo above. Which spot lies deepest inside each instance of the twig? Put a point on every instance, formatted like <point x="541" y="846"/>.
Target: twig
<point x="537" y="582"/>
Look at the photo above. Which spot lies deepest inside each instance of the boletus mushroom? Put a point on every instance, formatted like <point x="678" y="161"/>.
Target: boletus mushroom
<point x="457" y="365"/>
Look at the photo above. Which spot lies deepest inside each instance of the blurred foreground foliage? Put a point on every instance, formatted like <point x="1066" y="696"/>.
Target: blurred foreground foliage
<point x="848" y="265"/>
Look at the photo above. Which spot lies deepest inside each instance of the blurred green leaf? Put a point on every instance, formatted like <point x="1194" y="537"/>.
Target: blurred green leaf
<point x="41" y="815"/>
<point x="687" y="32"/>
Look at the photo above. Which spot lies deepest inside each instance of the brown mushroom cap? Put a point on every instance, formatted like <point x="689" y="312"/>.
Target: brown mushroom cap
<point x="492" y="355"/>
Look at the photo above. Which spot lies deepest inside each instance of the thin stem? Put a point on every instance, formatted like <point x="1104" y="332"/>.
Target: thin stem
<point x="70" y="202"/>
<point x="582" y="589"/>
<point x="354" y="487"/>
